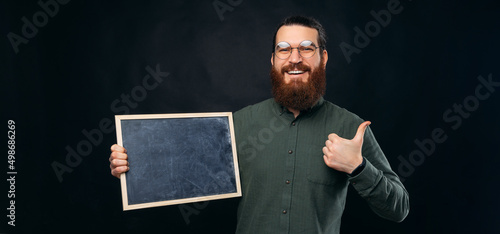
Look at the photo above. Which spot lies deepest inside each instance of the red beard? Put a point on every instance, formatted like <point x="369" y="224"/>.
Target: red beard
<point x="298" y="95"/>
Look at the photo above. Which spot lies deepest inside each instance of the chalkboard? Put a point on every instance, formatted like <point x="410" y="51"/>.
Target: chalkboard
<point x="178" y="158"/>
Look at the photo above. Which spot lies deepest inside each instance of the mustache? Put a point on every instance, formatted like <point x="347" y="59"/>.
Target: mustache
<point x="295" y="66"/>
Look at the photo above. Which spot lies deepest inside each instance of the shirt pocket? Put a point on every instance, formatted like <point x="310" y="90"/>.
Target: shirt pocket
<point x="318" y="172"/>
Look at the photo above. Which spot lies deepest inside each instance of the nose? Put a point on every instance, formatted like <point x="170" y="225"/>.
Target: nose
<point x="295" y="56"/>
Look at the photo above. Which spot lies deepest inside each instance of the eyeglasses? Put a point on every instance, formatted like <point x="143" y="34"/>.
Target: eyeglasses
<point x="306" y="49"/>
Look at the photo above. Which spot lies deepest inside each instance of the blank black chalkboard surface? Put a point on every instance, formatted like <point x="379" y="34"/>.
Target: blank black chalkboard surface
<point x="178" y="158"/>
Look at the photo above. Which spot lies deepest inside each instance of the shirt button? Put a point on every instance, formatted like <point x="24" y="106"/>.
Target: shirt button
<point x="287" y="181"/>
<point x="293" y="124"/>
<point x="290" y="152"/>
<point x="284" y="211"/>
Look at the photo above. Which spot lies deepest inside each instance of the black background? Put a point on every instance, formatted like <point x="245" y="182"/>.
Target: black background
<point x="64" y="80"/>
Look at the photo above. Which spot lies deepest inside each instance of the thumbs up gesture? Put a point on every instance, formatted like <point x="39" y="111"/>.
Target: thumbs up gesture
<point x="343" y="154"/>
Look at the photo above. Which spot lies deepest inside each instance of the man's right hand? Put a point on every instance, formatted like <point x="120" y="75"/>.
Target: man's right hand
<point x="118" y="160"/>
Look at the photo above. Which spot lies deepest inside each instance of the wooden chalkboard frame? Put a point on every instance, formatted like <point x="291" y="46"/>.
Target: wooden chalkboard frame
<point x="123" y="177"/>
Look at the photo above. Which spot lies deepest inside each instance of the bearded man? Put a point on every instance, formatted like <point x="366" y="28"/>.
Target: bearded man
<point x="298" y="153"/>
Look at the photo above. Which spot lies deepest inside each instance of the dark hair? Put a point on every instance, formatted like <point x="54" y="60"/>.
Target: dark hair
<point x="306" y="22"/>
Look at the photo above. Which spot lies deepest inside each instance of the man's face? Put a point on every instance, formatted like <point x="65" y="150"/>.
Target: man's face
<point x="298" y="82"/>
<point x="294" y="35"/>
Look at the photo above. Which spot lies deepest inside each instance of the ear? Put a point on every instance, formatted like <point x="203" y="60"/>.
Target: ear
<point x="272" y="59"/>
<point x="325" y="57"/>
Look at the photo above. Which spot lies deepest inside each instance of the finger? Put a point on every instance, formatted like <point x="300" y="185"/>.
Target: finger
<point x="118" y="163"/>
<point x="333" y="136"/>
<point x="117" y="155"/>
<point x="327" y="161"/>
<point x="361" y="131"/>
<point x="326" y="151"/>
<point x="117" y="148"/>
<point x="118" y="171"/>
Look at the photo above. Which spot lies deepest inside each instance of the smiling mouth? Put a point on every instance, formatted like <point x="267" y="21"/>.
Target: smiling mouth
<point x="295" y="72"/>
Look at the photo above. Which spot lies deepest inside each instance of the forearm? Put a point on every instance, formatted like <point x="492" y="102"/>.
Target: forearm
<point x="383" y="191"/>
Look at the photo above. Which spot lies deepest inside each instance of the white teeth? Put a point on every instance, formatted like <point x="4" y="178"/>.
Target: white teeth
<point x="295" y="72"/>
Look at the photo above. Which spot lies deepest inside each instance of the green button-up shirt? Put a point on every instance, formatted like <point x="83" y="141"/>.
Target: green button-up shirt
<point x="286" y="185"/>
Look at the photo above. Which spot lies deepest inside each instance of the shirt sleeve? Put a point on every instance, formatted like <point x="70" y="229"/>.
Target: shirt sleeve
<point x="379" y="185"/>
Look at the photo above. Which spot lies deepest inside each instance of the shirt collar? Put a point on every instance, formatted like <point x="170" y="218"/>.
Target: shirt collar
<point x="281" y="109"/>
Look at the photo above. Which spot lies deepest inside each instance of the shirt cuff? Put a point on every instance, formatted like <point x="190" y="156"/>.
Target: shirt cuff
<point x="366" y="179"/>
<point x="358" y="169"/>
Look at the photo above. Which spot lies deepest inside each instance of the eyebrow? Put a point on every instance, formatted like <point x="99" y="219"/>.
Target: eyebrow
<point x="291" y="44"/>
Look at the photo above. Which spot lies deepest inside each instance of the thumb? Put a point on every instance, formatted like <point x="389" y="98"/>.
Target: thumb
<point x="361" y="131"/>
